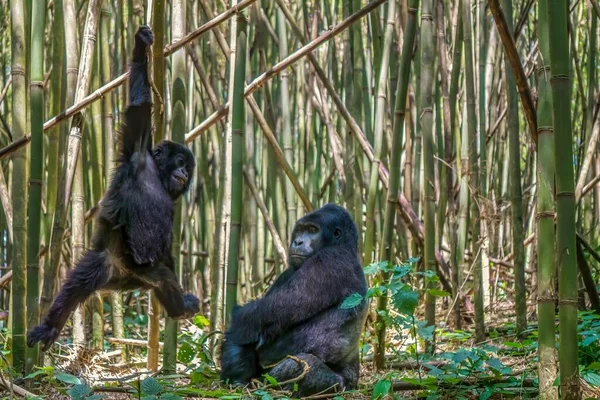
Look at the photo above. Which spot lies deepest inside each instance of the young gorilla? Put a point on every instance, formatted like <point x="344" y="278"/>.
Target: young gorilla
<point x="300" y="314"/>
<point x="132" y="244"/>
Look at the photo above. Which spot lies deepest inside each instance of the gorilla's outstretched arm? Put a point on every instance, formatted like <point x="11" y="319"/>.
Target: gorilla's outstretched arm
<point x="296" y="299"/>
<point x="136" y="133"/>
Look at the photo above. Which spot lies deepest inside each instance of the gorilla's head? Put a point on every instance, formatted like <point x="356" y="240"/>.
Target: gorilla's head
<point x="175" y="164"/>
<point x="331" y="225"/>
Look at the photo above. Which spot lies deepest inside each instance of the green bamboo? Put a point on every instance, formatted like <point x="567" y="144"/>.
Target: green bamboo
<point x="565" y="198"/>
<point x="457" y="236"/>
<point x="380" y="111"/>
<point x="178" y="129"/>
<point x="55" y="139"/>
<point x="20" y="104"/>
<point x="473" y="169"/>
<point x="158" y="71"/>
<point x="426" y="118"/>
<point x="108" y="134"/>
<point x="516" y="197"/>
<point x="397" y="139"/>
<point x="546" y="246"/>
<point x="290" y="193"/>
<point x="95" y="187"/>
<point x="158" y="65"/>
<point x="237" y="178"/>
<point x="34" y="203"/>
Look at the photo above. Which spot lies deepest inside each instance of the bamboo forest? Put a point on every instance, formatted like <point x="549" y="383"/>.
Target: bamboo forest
<point x="318" y="199"/>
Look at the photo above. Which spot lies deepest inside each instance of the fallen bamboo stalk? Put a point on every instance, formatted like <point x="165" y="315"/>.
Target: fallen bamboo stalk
<point x="5" y="279"/>
<point x="16" y="389"/>
<point x="130" y="342"/>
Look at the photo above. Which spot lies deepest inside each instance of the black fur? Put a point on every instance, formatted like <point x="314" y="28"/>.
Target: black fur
<point x="131" y="247"/>
<point x="300" y="314"/>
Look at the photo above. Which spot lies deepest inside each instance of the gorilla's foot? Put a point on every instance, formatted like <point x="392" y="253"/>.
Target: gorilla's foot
<point x="309" y="373"/>
<point x="45" y="333"/>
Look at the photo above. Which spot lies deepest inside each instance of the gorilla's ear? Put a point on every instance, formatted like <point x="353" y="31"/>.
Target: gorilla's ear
<point x="337" y="233"/>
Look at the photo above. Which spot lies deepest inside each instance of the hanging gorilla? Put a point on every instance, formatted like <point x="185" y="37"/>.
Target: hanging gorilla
<point x="131" y="247"/>
<point x="298" y="323"/>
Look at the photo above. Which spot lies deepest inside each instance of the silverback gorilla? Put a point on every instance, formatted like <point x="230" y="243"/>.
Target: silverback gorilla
<point x="300" y="314"/>
<point x="132" y="243"/>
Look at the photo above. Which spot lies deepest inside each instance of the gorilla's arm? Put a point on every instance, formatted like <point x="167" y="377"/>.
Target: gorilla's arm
<point x="136" y="133"/>
<point x="314" y="287"/>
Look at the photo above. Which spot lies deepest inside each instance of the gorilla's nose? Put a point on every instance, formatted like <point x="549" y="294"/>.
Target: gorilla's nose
<point x="298" y="243"/>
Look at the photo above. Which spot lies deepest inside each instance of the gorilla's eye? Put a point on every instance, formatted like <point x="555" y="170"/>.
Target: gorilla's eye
<point x="180" y="162"/>
<point x="157" y="152"/>
<point x="312" y="229"/>
<point x="337" y="233"/>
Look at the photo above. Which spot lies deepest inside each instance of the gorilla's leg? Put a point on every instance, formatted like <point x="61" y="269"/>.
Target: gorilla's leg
<point x="239" y="364"/>
<point x="319" y="378"/>
<point x="162" y="279"/>
<point x="90" y="274"/>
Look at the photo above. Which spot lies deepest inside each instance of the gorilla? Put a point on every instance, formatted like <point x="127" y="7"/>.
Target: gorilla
<point x="299" y="322"/>
<point x="131" y="247"/>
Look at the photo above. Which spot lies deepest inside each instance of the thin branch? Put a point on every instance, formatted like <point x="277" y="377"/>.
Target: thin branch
<point x="515" y="61"/>
<point x="263" y="209"/>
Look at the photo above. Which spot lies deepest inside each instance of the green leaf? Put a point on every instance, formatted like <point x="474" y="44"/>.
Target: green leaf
<point x="405" y="301"/>
<point x="266" y="396"/>
<point x="37" y="373"/>
<point x="68" y="378"/>
<point x="381" y="388"/>
<point x="170" y="396"/>
<point x="487" y="393"/>
<point x="513" y="345"/>
<point x="588" y="340"/>
<point x="595" y="366"/>
<point x="186" y="353"/>
<point x="438" y="293"/>
<point x="151" y="386"/>
<point x="351" y="301"/>
<point x="270" y="379"/>
<point x="79" y="392"/>
<point x="592" y="378"/>
<point x="201" y="322"/>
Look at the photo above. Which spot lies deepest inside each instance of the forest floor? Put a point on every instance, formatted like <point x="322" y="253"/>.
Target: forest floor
<point x="505" y="366"/>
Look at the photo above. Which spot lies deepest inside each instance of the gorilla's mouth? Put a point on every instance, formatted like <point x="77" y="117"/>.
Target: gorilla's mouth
<point x="298" y="256"/>
<point x="179" y="180"/>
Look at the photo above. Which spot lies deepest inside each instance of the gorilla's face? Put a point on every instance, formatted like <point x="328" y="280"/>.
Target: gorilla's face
<point x="331" y="225"/>
<point x="176" y="164"/>
<point x="307" y="239"/>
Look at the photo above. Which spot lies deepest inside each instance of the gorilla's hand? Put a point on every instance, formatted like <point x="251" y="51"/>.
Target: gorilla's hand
<point x="45" y="333"/>
<point x="144" y="36"/>
<point x="143" y="39"/>
<point x="191" y="305"/>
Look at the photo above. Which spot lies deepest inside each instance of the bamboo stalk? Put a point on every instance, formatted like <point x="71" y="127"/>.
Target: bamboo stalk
<point x="236" y="130"/>
<point x="565" y="199"/>
<point x="20" y="103"/>
<point x="546" y="241"/>
<point x="36" y="168"/>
